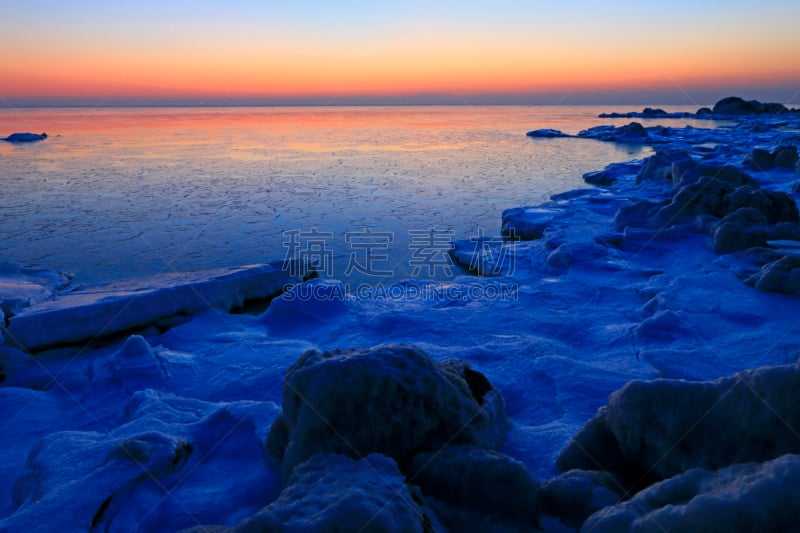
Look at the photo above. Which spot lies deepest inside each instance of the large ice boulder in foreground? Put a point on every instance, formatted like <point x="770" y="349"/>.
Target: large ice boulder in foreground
<point x="473" y="489"/>
<point x="653" y="430"/>
<point x="336" y="493"/>
<point x="742" y="497"/>
<point x="574" y="496"/>
<point x="391" y="399"/>
<point x="173" y="461"/>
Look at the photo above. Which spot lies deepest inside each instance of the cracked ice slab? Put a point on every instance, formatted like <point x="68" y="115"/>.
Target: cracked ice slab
<point x="100" y="310"/>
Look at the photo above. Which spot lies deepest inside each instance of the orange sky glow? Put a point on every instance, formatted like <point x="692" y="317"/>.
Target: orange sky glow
<point x="105" y="54"/>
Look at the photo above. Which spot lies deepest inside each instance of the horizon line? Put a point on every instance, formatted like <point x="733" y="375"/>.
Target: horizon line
<point x="699" y="98"/>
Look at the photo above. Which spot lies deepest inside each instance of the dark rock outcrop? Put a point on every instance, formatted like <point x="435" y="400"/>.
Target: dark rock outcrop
<point x="734" y="105"/>
<point x="547" y="133"/>
<point x="394" y="400"/>
<point x="747" y="228"/>
<point x="742" y="497"/>
<point x="653" y="430"/>
<point x="658" y="167"/>
<point x="527" y="223"/>
<point x="781" y="276"/>
<point x="24" y="137"/>
<point x="467" y="486"/>
<point x="630" y="133"/>
<point x="781" y="157"/>
<point x="336" y="493"/>
<point x="726" y="192"/>
<point x="575" y="495"/>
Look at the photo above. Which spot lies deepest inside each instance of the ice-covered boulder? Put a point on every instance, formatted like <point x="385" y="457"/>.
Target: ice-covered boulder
<point x="602" y="178"/>
<point x="687" y="172"/>
<point x="734" y="105"/>
<point x="653" y="430"/>
<point x="658" y="167"/>
<point x="742" y="497"/>
<point x="72" y="477"/>
<point x="575" y="495"/>
<point x="785" y="157"/>
<point x="714" y="191"/>
<point x="135" y="366"/>
<point x="781" y="157"/>
<point x="313" y="302"/>
<point x="118" y="306"/>
<point x="781" y="276"/>
<point x="612" y="173"/>
<point x="649" y="112"/>
<point x="391" y="399"/>
<point x="527" y="223"/>
<point x="630" y="133"/>
<point x="714" y="196"/>
<point x="336" y="493"/>
<point x="24" y="137"/>
<point x="471" y="488"/>
<point x="748" y="227"/>
<point x="547" y="133"/>
<point x="208" y="457"/>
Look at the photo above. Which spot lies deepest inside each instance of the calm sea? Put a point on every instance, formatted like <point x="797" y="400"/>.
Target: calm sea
<point x="116" y="193"/>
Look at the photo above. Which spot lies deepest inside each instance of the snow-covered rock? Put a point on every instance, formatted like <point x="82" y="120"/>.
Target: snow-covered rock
<point x="658" y="167"/>
<point x="612" y="173"/>
<point x="748" y="227"/>
<point x="575" y="495"/>
<point x="468" y="486"/>
<point x="392" y="399"/>
<point x="547" y="133"/>
<point x="118" y="306"/>
<point x="717" y="196"/>
<point x="171" y="462"/>
<point x="781" y="276"/>
<point x="330" y="492"/>
<point x="527" y="223"/>
<point x="647" y="112"/>
<point x="135" y="366"/>
<point x="781" y="157"/>
<point x="734" y="105"/>
<point x="650" y="431"/>
<point x="630" y="133"/>
<point x="742" y="497"/>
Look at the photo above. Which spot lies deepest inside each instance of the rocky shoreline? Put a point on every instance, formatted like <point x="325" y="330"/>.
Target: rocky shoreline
<point x="665" y="295"/>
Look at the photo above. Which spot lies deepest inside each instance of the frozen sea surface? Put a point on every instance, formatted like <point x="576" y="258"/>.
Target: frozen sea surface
<point x="627" y="349"/>
<point x="117" y="193"/>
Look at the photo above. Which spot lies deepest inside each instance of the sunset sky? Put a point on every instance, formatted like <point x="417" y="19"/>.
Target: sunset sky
<point x="347" y="51"/>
